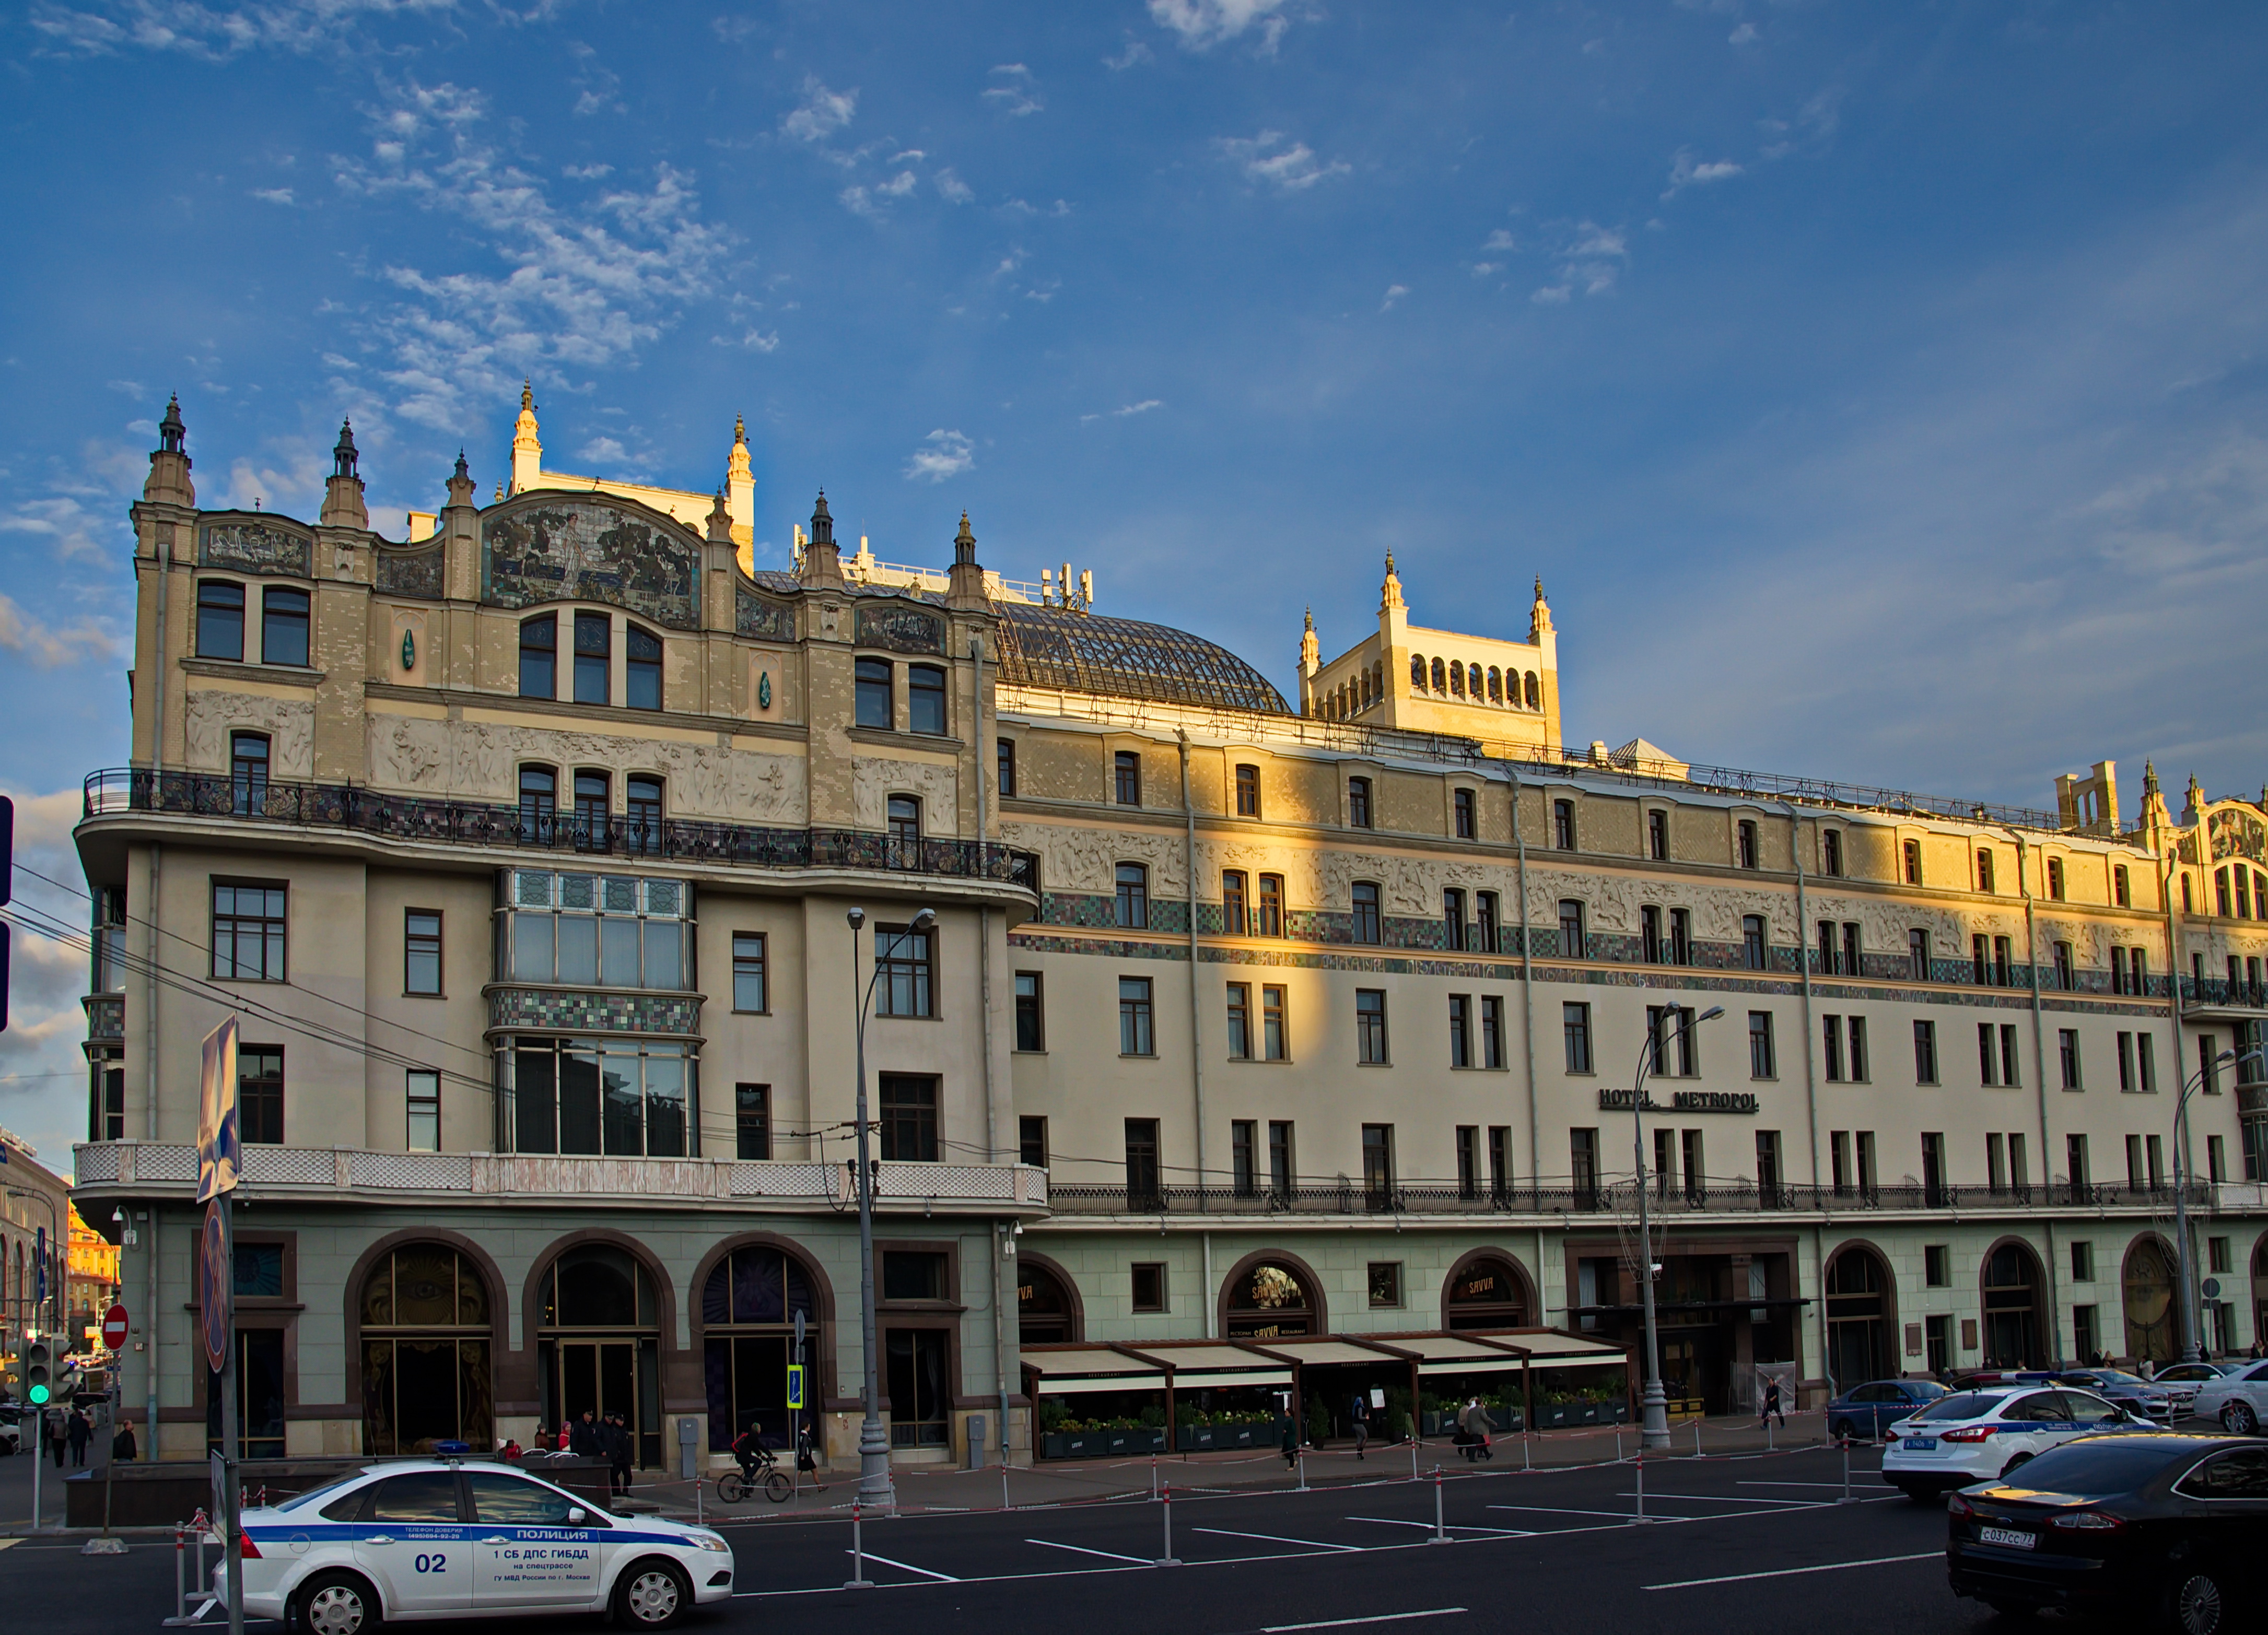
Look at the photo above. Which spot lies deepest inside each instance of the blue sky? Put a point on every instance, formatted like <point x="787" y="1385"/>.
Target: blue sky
<point x="1878" y="389"/>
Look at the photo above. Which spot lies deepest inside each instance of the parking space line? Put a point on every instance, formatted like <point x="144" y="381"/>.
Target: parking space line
<point x="1508" y="1532"/>
<point x="1825" y="1566"/>
<point x="1277" y="1538"/>
<point x="1108" y="1555"/>
<point x="907" y="1566"/>
<point x="1562" y="1510"/>
<point x="1376" y="1617"/>
<point x="1722" y="1499"/>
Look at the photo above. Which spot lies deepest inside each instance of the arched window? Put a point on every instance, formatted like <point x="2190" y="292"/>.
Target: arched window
<point x="1417" y="672"/>
<point x="1858" y="1318"/>
<point x="538" y="657"/>
<point x="2147" y="1290"/>
<point x="1486" y="1293"/>
<point x="539" y="804"/>
<point x="1456" y="679"/>
<point x="1534" y="692"/>
<point x="748" y="1308"/>
<point x="643" y="826"/>
<point x="590" y="813"/>
<point x="904" y="815"/>
<point x="598" y="1347"/>
<point x="247" y="773"/>
<point x="2013" y="1324"/>
<point x="1130" y="907"/>
<point x="1441" y="676"/>
<point x="1495" y="685"/>
<point x="1045" y="1313"/>
<point x="1269" y="1302"/>
<point x="426" y="1353"/>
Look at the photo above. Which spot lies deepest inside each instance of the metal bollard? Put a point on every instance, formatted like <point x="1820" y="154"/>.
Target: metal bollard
<point x="1168" y="1559"/>
<point x="858" y="1580"/>
<point x="1413" y="1458"/>
<point x="1004" y="1504"/>
<point x="1153" y="1479"/>
<point x="1769" y="1445"/>
<point x="1439" y="1536"/>
<point x="1696" y="1438"/>
<point x="1846" y="1498"/>
<point x="1303" y="1469"/>
<point x="698" y="1515"/>
<point x="1641" y="1483"/>
<point x="1618" y="1445"/>
<point x="1528" y="1443"/>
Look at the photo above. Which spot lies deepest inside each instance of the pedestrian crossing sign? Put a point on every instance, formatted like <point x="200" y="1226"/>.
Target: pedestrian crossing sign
<point x="795" y="1385"/>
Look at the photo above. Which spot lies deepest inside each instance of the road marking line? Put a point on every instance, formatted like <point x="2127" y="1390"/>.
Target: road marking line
<point x="1714" y="1499"/>
<point x="1108" y="1555"/>
<point x="1381" y="1617"/>
<point x="907" y="1566"/>
<point x="1556" y="1510"/>
<point x="1829" y="1566"/>
<point x="10" y="1544"/>
<point x="1509" y="1532"/>
<point x="1277" y="1538"/>
<point x="1834" y="1484"/>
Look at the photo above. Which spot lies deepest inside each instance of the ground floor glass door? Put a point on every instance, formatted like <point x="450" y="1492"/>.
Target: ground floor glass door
<point x="602" y="1377"/>
<point x="921" y="1397"/>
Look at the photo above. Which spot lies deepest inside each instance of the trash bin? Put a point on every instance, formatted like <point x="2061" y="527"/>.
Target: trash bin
<point x="977" y="1442"/>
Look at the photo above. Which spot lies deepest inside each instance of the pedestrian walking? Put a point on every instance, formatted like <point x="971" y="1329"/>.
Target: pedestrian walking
<point x="1291" y="1447"/>
<point x="51" y="1427"/>
<point x="78" y="1431"/>
<point x="1772" y="1406"/>
<point x="122" y="1446"/>
<point x="618" y="1453"/>
<point x="1359" y="1417"/>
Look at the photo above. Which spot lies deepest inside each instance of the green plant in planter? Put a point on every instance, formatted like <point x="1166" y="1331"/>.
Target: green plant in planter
<point x="1153" y="1417"/>
<point x="1054" y="1416"/>
<point x="1318" y="1422"/>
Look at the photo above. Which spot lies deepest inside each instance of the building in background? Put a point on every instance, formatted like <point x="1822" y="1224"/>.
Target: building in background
<point x="523" y="849"/>
<point x="90" y="1285"/>
<point x="35" y="1205"/>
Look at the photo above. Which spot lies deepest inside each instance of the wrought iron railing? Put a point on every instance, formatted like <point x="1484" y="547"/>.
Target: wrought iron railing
<point x="545" y="829"/>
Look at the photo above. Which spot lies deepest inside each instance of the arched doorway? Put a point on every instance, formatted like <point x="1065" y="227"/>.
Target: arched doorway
<point x="748" y="1307"/>
<point x="2145" y="1285"/>
<point x="1047" y="1305"/>
<point x="426" y="1351"/>
<point x="1271" y="1299"/>
<point x="2014" y="1329"/>
<point x="598" y="1343"/>
<point x="1859" y="1311"/>
<point x="1486" y="1292"/>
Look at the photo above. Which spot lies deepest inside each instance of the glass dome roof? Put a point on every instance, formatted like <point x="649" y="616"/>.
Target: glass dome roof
<point x="1052" y="646"/>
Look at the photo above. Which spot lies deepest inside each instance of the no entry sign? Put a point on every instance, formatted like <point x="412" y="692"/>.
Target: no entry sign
<point x="113" y="1328"/>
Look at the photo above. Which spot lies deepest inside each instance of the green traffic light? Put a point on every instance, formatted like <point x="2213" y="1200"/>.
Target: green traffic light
<point x="39" y="1394"/>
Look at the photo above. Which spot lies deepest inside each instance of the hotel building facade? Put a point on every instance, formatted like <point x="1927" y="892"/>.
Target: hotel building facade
<point x="524" y="848"/>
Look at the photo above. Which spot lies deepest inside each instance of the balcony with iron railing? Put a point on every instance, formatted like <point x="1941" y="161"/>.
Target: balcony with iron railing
<point x="1352" y="1195"/>
<point x="416" y="819"/>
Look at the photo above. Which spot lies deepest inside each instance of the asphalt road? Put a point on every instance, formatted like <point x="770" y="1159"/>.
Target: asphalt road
<point x="1759" y="1545"/>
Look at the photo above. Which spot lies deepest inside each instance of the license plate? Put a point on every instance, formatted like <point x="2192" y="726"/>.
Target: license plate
<point x="2007" y="1538"/>
<point x="1921" y="1444"/>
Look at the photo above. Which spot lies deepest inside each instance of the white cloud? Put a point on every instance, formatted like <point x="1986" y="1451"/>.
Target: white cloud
<point x="49" y="646"/>
<point x="1134" y="52"/>
<point x="587" y="173"/>
<point x="821" y="113"/>
<point x="942" y="454"/>
<point x="275" y="195"/>
<point x="753" y="340"/>
<point x="603" y="450"/>
<point x="1128" y="411"/>
<point x="1018" y="207"/>
<point x="908" y="157"/>
<point x="211" y="32"/>
<point x="1814" y="125"/>
<point x="1201" y="24"/>
<point x="1393" y="293"/>
<point x="869" y="201"/>
<point x="1016" y="101"/>
<point x="951" y="188"/>
<point x="1685" y="172"/>
<point x="1552" y="295"/>
<point x="1484" y="269"/>
<point x="1500" y="240"/>
<point x="1263" y="159"/>
<point x="1746" y="34"/>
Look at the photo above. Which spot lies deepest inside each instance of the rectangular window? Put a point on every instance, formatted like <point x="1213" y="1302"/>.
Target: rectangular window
<point x="1649" y="934"/>
<point x="2157" y="1153"/>
<point x="1453" y="919"/>
<point x="1839" y="1159"/>
<point x="1130" y="907"/>
<point x="1988" y="1056"/>
<point x="874" y="702"/>
<point x="2020" y="1170"/>
<point x="641" y="668"/>
<point x="594" y="639"/>
<point x="1573" y="943"/>
<point x="1492" y="1031"/>
<point x="2218" y="1259"/>
<point x="2003" y="966"/>
<point x="1005" y="758"/>
<point x="1830" y="852"/>
<point x="1370" y="1026"/>
<point x="1756" y="949"/>
<point x="1385" y="1283"/>
<point x="1248" y="790"/>
<point x="1031" y="1013"/>
<point x="1563" y="825"/>
<point x="1149" y="1285"/>
<point x="422" y="1090"/>
<point x="1761" y="1059"/>
<point x="1863" y="1144"/>
<point x="1983" y="975"/>
<point x="1487" y="920"/>
<point x="249" y="932"/>
<point x="2216" y="1158"/>
<point x="1913" y="850"/>
<point x="1469" y="1161"/>
<point x="904" y="959"/>
<point x="1695" y="1170"/>
<point x="1271" y="906"/>
<point x="1996" y="1162"/>
<point x="1274" y="1044"/>
<point x="1984" y="868"/>
<point x="752" y="1120"/>
<point x="925" y="699"/>
<point x="1747" y="847"/>
<point x="284" y="626"/>
<point x="1142" y="1163"/>
<point x="1925" y="1036"/>
<point x="260" y="1095"/>
<point x="2121" y="892"/>
<point x="1583" y="1166"/>
<point x="2134" y="1162"/>
<point x="1831" y="1032"/>
<point x="2209" y="1063"/>
<point x="2126" y="1063"/>
<point x="1282" y="1176"/>
<point x="2074" y="1153"/>
<point x="2011" y="1073"/>
<point x="1378" y="1165"/>
<point x="1244" y="1156"/>
<point x="1134" y="1037"/>
<point x="902" y="813"/>
<point x="2067" y="1051"/>
<point x="1859" y="1073"/>
<point x="1461" y="1030"/>
<point x="1466" y="819"/>
<point x="1358" y="802"/>
<point x="1240" y="1021"/>
<point x="220" y="619"/>
<point x="1853" y="966"/>
<point x="1938" y="1338"/>
<point x="421" y="952"/>
<point x="914" y="1275"/>
<point x="1681" y="936"/>
<point x="1937" y="1266"/>
<point x="1499" y="1147"/>
<point x="2061" y="953"/>
<point x="1575" y="1027"/>
<point x="908" y="1117"/>
<point x="2055" y="879"/>
<point x="1365" y="911"/>
<point x="620" y="1097"/>
<point x="1917" y="955"/>
<point x="1826" y="948"/>
<point x="748" y="972"/>
<point x="1032" y="1139"/>
<point x="1126" y="777"/>
<point x="2083" y="1320"/>
<point x="1232" y="920"/>
<point x="1933" y="1170"/>
<point x="538" y="657"/>
<point x="1657" y="835"/>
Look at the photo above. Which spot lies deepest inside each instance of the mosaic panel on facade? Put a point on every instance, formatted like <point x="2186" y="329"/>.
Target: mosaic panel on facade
<point x="254" y="548"/>
<point x="411" y="573"/>
<point x="584" y="550"/>
<point x="901" y="629"/>
<point x="556" y="1012"/>
<point x="761" y="617"/>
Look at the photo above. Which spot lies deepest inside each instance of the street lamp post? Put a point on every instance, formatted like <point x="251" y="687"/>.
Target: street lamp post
<point x="873" y="1442"/>
<point x="2192" y="1350"/>
<point x="1653" y="1406"/>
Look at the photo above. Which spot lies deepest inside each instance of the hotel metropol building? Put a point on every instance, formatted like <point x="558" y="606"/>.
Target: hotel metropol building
<point x="523" y="847"/>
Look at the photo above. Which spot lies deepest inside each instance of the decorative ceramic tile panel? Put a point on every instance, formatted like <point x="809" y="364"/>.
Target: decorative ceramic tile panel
<point x="586" y="551"/>
<point x="255" y="547"/>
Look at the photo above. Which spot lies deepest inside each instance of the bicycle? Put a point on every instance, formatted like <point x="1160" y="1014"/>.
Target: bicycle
<point x="735" y="1486"/>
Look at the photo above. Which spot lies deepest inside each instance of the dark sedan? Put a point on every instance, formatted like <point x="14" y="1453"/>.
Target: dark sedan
<point x="1870" y="1409"/>
<point x="2155" y="1527"/>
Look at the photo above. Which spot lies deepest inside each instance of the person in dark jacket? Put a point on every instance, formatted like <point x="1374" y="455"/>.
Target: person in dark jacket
<point x="79" y="1429"/>
<point x="618" y="1444"/>
<point x="1291" y="1441"/>
<point x="122" y="1446"/>
<point x="1359" y="1417"/>
<point x="582" y="1436"/>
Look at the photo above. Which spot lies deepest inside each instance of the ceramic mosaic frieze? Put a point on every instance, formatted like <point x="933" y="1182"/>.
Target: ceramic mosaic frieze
<point x="586" y="551"/>
<point x="553" y="1010"/>
<point x="759" y="616"/>
<point x="254" y="548"/>
<point x="901" y="629"/>
<point x="411" y="573"/>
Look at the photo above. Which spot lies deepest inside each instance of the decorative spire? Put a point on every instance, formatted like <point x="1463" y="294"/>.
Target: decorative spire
<point x="1539" y="614"/>
<point x="740" y="431"/>
<point x="823" y="525"/>
<point x="964" y="543"/>
<point x="1390" y="593"/>
<point x="170" y="430"/>
<point x="2149" y="779"/>
<point x="463" y="471"/>
<point x="720" y="521"/>
<point x="527" y="395"/>
<point x="461" y="482"/>
<point x="343" y="455"/>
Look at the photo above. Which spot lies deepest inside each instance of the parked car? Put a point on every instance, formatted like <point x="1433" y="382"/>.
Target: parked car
<point x="2181" y="1380"/>
<point x="2128" y="1390"/>
<point x="2157" y="1527"/>
<point x="2239" y="1400"/>
<point x="1975" y="1436"/>
<point x="1871" y="1409"/>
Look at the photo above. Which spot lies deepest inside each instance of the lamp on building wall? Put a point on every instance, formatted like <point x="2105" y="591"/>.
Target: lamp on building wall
<point x="1654" y="1406"/>
<point x="873" y="1442"/>
<point x="2192" y="1349"/>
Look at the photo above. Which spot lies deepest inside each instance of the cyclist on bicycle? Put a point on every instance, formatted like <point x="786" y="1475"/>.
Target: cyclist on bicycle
<point x="748" y="1448"/>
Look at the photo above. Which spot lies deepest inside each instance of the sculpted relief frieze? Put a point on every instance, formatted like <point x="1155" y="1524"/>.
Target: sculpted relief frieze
<point x="480" y="761"/>
<point x="290" y="724"/>
<point x="874" y="780"/>
<point x="1086" y="860"/>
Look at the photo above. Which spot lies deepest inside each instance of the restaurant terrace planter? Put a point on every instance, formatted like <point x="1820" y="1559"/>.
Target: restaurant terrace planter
<point x="1195" y="1438"/>
<point x="1101" y="1444"/>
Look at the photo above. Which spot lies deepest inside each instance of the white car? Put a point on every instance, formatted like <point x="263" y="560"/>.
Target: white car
<point x="429" y="1538"/>
<point x="1975" y="1436"/>
<point x="2181" y="1380"/>
<point x="2238" y="1399"/>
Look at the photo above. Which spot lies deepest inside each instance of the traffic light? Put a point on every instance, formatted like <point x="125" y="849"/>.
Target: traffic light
<point x="39" y="1373"/>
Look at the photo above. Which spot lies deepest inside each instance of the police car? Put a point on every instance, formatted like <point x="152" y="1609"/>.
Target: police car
<point x="426" y="1538"/>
